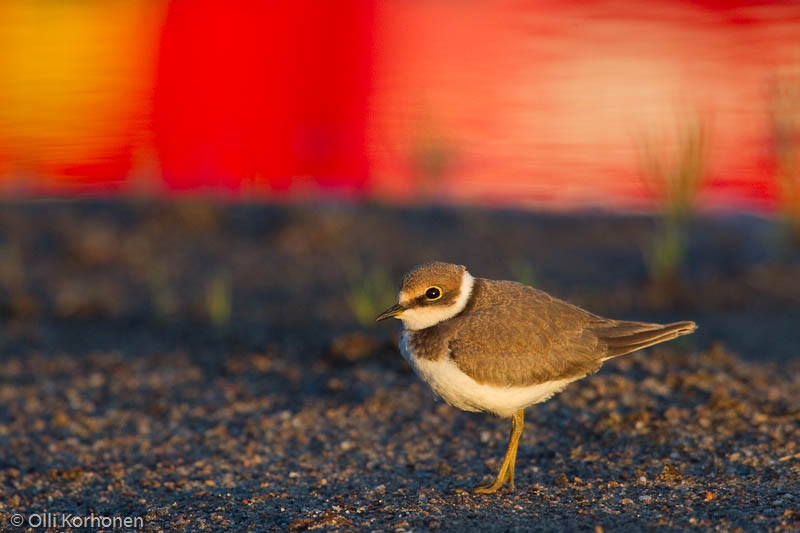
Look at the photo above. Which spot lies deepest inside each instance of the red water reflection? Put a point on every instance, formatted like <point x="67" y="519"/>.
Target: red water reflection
<point x="499" y="102"/>
<point x="545" y="103"/>
<point x="253" y="95"/>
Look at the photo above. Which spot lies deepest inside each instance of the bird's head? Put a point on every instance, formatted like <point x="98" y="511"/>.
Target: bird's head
<point x="429" y="294"/>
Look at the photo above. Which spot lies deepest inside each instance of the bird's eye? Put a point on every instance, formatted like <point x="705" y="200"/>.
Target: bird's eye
<point x="433" y="293"/>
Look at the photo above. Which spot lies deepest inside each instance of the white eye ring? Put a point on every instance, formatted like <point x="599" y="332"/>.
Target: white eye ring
<point x="433" y="293"/>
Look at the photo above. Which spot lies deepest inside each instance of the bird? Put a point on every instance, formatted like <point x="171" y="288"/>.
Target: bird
<point x="498" y="346"/>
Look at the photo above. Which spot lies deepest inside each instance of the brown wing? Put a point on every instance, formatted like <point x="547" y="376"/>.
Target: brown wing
<point x="622" y="337"/>
<point x="522" y="336"/>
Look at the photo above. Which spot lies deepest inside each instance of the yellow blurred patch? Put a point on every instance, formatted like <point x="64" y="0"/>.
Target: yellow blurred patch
<point x="75" y="78"/>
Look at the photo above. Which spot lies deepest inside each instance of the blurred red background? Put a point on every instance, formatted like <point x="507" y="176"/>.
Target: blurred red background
<point x="529" y="104"/>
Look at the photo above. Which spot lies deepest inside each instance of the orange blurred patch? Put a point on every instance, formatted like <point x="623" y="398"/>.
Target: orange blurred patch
<point x="75" y="85"/>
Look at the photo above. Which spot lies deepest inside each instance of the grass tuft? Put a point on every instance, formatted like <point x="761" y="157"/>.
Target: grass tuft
<point x="369" y="291"/>
<point x="219" y="299"/>
<point x="163" y="296"/>
<point x="523" y="271"/>
<point x="785" y="121"/>
<point x="675" y="182"/>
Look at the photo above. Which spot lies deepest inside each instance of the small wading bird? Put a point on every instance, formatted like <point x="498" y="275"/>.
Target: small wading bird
<point x="500" y="346"/>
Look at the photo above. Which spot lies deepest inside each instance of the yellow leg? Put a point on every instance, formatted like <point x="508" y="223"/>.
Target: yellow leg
<point x="506" y="473"/>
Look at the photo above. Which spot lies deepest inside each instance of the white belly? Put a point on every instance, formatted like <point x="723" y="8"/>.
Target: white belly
<point x="460" y="390"/>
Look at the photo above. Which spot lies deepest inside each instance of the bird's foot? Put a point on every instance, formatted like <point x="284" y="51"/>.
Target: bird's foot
<point x="505" y="475"/>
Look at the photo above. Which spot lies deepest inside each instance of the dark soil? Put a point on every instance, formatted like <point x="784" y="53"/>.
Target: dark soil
<point x="201" y="367"/>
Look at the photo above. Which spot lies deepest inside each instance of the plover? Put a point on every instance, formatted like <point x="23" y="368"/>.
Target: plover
<point x="501" y="346"/>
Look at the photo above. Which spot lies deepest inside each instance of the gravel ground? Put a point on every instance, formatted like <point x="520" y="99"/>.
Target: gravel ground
<point x="199" y="367"/>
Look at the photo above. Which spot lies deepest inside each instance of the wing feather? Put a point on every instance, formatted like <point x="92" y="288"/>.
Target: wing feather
<point x="517" y="335"/>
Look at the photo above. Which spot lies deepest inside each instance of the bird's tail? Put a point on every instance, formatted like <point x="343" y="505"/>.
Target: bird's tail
<point x="622" y="337"/>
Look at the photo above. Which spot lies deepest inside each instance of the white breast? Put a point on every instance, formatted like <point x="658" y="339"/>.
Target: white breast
<point x="460" y="390"/>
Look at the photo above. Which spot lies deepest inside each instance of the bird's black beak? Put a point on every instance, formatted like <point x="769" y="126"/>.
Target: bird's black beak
<point x="393" y="311"/>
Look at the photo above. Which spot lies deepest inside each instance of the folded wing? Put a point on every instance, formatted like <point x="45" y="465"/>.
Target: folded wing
<point x="519" y="336"/>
